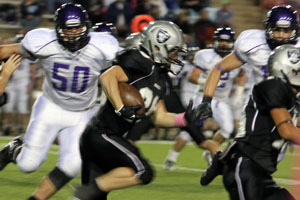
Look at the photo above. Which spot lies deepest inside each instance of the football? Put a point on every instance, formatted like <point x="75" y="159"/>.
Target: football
<point x="131" y="97"/>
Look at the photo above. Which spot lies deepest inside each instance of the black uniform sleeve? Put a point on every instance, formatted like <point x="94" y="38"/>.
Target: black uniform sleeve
<point x="273" y="93"/>
<point x="133" y="64"/>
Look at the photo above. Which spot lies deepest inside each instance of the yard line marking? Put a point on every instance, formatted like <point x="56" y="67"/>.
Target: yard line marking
<point x="181" y="168"/>
<point x="278" y="180"/>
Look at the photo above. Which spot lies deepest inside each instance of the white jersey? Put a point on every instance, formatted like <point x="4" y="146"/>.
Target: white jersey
<point x="205" y="60"/>
<point x="187" y="89"/>
<point x="23" y="71"/>
<point x="70" y="78"/>
<point x="251" y="47"/>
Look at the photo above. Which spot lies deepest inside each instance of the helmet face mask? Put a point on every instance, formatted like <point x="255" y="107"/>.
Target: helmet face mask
<point x="281" y="19"/>
<point x="223" y="41"/>
<point x="72" y="26"/>
<point x="162" y="40"/>
<point x="284" y="63"/>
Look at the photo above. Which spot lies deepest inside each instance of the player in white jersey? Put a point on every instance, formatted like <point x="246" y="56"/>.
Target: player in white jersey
<point x="72" y="59"/>
<point x="240" y="95"/>
<point x="204" y="61"/>
<point x="253" y="47"/>
<point x="15" y="112"/>
<point x="7" y="69"/>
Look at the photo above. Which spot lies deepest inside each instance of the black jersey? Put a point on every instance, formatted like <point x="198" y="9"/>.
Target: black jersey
<point x="151" y="81"/>
<point x="258" y="137"/>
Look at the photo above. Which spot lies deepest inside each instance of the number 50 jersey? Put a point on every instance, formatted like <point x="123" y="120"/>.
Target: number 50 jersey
<point x="70" y="77"/>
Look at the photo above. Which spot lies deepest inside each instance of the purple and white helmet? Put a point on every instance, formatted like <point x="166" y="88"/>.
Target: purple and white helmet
<point x="223" y="34"/>
<point x="104" y="27"/>
<point x="72" y="16"/>
<point x="282" y="16"/>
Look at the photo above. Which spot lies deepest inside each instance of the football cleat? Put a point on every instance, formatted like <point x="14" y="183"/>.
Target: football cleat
<point x="213" y="171"/>
<point x="8" y="151"/>
<point x="169" y="165"/>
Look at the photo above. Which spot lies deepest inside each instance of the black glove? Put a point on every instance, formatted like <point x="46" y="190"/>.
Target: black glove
<point x="128" y="112"/>
<point x="198" y="115"/>
<point x="3" y="99"/>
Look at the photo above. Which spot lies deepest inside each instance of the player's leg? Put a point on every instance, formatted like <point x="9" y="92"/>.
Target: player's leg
<point x="9" y="110"/>
<point x="22" y="107"/>
<point x="38" y="138"/>
<point x="224" y="117"/>
<point x="222" y="114"/>
<point x="173" y="154"/>
<point x="69" y="164"/>
<point x="121" y="161"/>
<point x="274" y="192"/>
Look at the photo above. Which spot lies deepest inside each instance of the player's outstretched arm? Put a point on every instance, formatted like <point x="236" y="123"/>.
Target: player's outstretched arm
<point x="7" y="69"/>
<point x="164" y="118"/>
<point x="228" y="63"/>
<point x="284" y="124"/>
<point x="8" y="49"/>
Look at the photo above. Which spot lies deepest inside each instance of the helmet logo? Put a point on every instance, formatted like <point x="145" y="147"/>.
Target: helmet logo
<point x="224" y="37"/>
<point x="162" y="36"/>
<point x="284" y="22"/>
<point x="293" y="56"/>
<point x="73" y="22"/>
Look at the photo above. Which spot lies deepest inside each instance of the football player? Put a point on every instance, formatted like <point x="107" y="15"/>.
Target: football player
<point x="254" y="47"/>
<point x="204" y="60"/>
<point x="16" y="111"/>
<point x="268" y="124"/>
<point x="72" y="58"/>
<point x="7" y="69"/>
<point x="110" y="161"/>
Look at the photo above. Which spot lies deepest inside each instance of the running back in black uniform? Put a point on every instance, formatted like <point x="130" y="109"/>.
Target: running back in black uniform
<point x="103" y="142"/>
<point x="259" y="147"/>
<point x="103" y="146"/>
<point x="110" y="162"/>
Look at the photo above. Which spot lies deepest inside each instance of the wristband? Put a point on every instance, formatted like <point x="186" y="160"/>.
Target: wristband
<point x="201" y="80"/>
<point x="180" y="120"/>
<point x="206" y="99"/>
<point x="240" y="90"/>
<point x="220" y="68"/>
<point x="118" y="112"/>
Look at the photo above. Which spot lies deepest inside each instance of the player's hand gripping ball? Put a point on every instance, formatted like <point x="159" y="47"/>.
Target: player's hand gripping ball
<point x="132" y="97"/>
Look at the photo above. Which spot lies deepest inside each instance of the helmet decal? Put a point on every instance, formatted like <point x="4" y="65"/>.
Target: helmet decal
<point x="162" y="36"/>
<point x="162" y="40"/>
<point x="293" y="56"/>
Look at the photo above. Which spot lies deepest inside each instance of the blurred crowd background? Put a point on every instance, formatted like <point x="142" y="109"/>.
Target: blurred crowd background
<point x="197" y="18"/>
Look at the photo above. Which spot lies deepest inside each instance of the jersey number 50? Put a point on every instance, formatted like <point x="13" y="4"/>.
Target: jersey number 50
<point x="64" y="81"/>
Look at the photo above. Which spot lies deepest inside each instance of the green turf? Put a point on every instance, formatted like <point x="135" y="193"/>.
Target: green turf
<point x="180" y="184"/>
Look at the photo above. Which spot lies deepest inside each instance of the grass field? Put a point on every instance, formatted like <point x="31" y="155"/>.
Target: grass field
<point x="179" y="184"/>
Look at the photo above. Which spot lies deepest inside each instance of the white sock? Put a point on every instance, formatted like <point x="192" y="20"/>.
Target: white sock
<point x="173" y="155"/>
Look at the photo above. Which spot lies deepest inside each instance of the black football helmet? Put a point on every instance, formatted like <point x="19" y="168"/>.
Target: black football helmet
<point x="223" y="34"/>
<point x="285" y="17"/>
<point x="68" y="17"/>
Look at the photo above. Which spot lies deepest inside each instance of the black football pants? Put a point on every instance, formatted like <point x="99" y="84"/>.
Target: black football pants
<point x="245" y="180"/>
